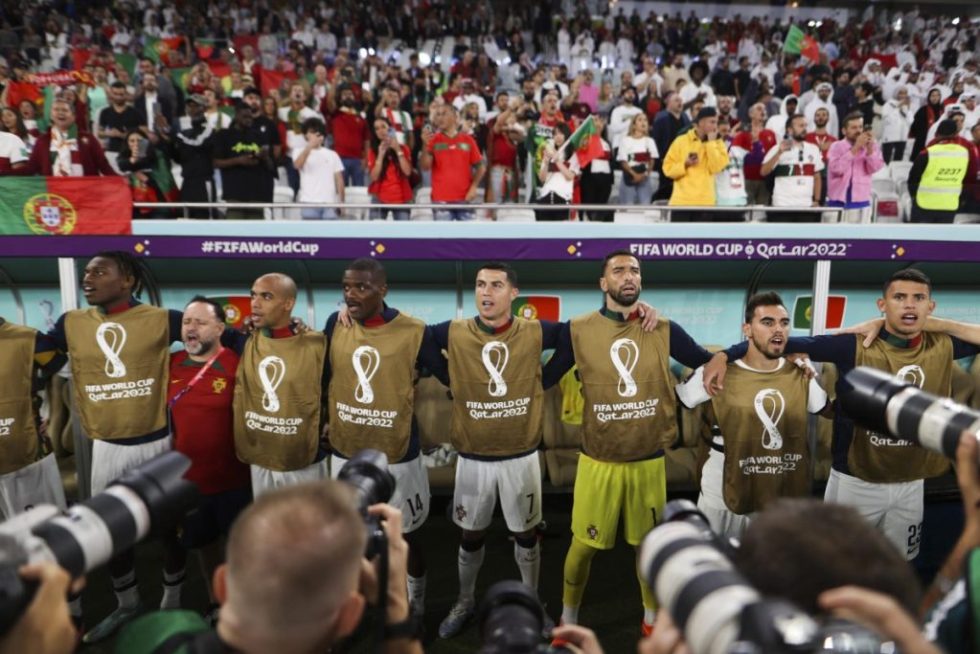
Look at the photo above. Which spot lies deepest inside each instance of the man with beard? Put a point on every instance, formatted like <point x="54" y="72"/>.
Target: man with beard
<point x="191" y="143"/>
<point x="202" y="385"/>
<point x="821" y="138"/>
<point x="350" y="133"/>
<point x="666" y="126"/>
<point x="823" y="101"/>
<point x="538" y="136"/>
<point x="796" y="166"/>
<point x="629" y="418"/>
<point x="243" y="154"/>
<point x="372" y="367"/>
<point x="622" y="116"/>
<point x="765" y="394"/>
<point x="880" y="477"/>
<point x="851" y="162"/>
<point x="725" y="115"/>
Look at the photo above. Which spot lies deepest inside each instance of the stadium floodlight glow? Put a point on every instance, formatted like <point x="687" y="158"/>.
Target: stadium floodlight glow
<point x="811" y="23"/>
<point x="956" y="21"/>
<point x="424" y="58"/>
<point x="362" y="53"/>
<point x="819" y="23"/>
<point x="371" y="51"/>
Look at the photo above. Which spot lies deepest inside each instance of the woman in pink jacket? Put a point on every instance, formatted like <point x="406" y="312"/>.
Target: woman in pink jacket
<point x="850" y="164"/>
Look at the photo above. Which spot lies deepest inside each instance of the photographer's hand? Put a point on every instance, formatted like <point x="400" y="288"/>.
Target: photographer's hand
<point x="666" y="638"/>
<point x="46" y="626"/>
<point x="577" y="639"/>
<point x="880" y="613"/>
<point x="397" y="592"/>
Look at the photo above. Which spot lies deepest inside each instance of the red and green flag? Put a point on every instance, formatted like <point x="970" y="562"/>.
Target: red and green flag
<point x="586" y="142"/>
<point x="236" y="308"/>
<point x="158" y="50"/>
<point x="65" y="205"/>
<point x="537" y="307"/>
<point x="181" y="76"/>
<point x="205" y="47"/>
<point x="126" y="61"/>
<point x="803" y="311"/>
<point x="799" y="42"/>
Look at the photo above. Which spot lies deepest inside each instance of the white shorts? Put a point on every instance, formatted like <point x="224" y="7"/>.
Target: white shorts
<point x="110" y="461"/>
<point x="411" y="494"/>
<point x="518" y="481"/>
<point x="711" y="502"/>
<point x="894" y="509"/>
<point x="265" y="480"/>
<point x="37" y="483"/>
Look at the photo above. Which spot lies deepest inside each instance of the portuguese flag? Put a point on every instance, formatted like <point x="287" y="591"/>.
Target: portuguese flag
<point x="236" y="308"/>
<point x="65" y="205"/>
<point x="537" y="307"/>
<point x="159" y="50"/>
<point x="586" y="142"/>
<point x="803" y="311"/>
<point x="798" y="42"/>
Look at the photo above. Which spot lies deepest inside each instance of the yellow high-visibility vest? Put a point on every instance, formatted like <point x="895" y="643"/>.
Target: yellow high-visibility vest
<point x="942" y="181"/>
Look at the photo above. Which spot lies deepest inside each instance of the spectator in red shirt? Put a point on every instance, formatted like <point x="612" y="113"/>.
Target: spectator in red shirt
<point x="505" y="133"/>
<point x="757" y="141"/>
<point x="390" y="167"/>
<point x="350" y="134"/>
<point x="456" y="163"/>
<point x="823" y="139"/>
<point x="202" y="385"/>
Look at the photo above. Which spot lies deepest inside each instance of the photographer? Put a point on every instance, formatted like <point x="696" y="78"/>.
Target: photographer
<point x="295" y="580"/>
<point x="46" y="626"/>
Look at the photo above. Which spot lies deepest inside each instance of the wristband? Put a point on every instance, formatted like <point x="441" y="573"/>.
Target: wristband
<point x="410" y="628"/>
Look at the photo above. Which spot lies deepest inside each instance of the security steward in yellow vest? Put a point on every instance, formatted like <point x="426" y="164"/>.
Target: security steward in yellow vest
<point x="372" y="367"/>
<point x="28" y="471"/>
<point x="937" y="175"/>
<point x="629" y="419"/>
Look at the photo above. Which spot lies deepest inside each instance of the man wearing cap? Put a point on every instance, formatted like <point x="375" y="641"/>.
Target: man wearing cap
<point x="937" y="175"/>
<point x="191" y="144"/>
<point x="693" y="160"/>
<point x="622" y="116"/>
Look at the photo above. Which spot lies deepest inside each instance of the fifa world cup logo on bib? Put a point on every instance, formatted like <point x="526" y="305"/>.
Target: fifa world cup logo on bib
<point x="769" y="406"/>
<point x="366" y="361"/>
<point x="111" y="337"/>
<point x="625" y="366"/>
<point x="495" y="357"/>
<point x="913" y="374"/>
<point x="272" y="370"/>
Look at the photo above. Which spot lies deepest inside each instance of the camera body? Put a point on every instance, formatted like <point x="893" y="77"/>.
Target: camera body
<point x="367" y="473"/>
<point x="511" y="621"/>
<point x="718" y="611"/>
<point x="147" y="499"/>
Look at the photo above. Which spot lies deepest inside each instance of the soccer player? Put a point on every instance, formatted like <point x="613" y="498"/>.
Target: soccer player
<point x="278" y="391"/>
<point x="879" y="476"/>
<point x="761" y="451"/>
<point x="202" y="384"/>
<point x="119" y="351"/>
<point x="371" y="397"/>
<point x="628" y="421"/>
<point x="28" y="470"/>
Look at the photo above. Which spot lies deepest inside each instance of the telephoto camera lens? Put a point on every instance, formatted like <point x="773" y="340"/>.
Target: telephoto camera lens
<point x="367" y="472"/>
<point x="511" y="620"/>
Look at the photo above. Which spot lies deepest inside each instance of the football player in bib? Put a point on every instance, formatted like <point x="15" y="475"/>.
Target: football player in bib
<point x="28" y="470"/>
<point x="628" y="421"/>
<point x="760" y="452"/>
<point x="372" y="367"/>
<point x="278" y="387"/>
<point x="880" y="476"/>
<point x="119" y="351"/>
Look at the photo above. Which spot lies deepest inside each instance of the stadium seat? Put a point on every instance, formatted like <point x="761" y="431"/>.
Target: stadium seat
<point x="888" y="206"/>
<point x="355" y="195"/>
<point x="883" y="183"/>
<point x="282" y="194"/>
<point x="515" y="215"/>
<point x="423" y="196"/>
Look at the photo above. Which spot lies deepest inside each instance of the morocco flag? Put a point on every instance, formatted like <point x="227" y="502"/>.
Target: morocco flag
<point x="586" y="143"/>
<point x="65" y="205"/>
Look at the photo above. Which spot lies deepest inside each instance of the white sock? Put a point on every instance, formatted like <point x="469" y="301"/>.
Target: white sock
<point x="126" y="590"/>
<point x="529" y="563"/>
<point x="172" y="585"/>
<point x="649" y="615"/>
<point x="416" y="594"/>
<point x="569" y="614"/>
<point x="469" y="568"/>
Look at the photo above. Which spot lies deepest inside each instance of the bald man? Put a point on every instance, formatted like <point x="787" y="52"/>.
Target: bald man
<point x="277" y="392"/>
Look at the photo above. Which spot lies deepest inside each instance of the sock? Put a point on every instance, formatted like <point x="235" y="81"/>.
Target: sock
<point x="649" y="602"/>
<point x="527" y="553"/>
<point x="172" y="584"/>
<point x="578" y="563"/>
<point x="416" y="594"/>
<point x="126" y="590"/>
<point x="469" y="563"/>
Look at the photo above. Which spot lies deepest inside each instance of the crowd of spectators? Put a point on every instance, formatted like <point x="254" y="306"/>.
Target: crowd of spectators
<point x="232" y="100"/>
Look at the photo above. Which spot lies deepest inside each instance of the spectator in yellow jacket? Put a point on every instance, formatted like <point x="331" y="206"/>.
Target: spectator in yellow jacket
<point x="692" y="161"/>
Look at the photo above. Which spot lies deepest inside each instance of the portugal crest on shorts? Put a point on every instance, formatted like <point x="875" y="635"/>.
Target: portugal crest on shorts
<point x="460" y="512"/>
<point x="593" y="532"/>
<point x="47" y="213"/>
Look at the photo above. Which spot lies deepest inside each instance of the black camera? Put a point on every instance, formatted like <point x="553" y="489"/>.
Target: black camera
<point x="717" y="610"/>
<point x="367" y="472"/>
<point x="147" y="499"/>
<point x="511" y="621"/>
<point x="888" y="405"/>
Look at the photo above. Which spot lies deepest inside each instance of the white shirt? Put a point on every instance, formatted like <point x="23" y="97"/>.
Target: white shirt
<point x="691" y="393"/>
<point x="463" y="100"/>
<point x="558" y="184"/>
<point x="317" y="182"/>
<point x="637" y="151"/>
<point x="294" y="140"/>
<point x="619" y="122"/>
<point x="690" y="91"/>
<point x="12" y="148"/>
<point x="795" y="189"/>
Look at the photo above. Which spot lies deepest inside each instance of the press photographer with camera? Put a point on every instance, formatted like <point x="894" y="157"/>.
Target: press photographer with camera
<point x="46" y="627"/>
